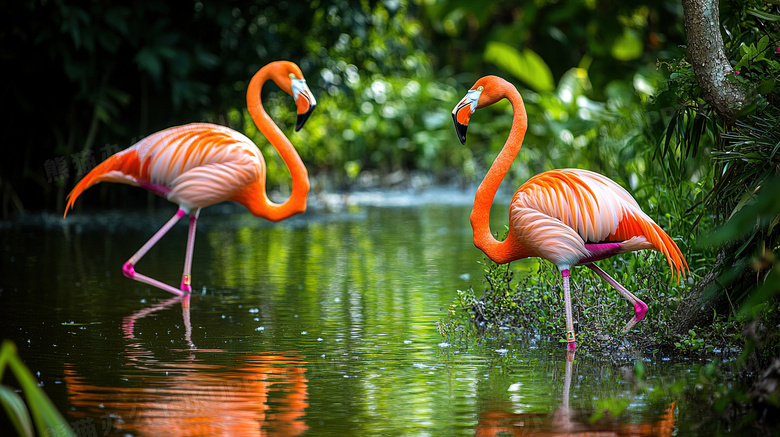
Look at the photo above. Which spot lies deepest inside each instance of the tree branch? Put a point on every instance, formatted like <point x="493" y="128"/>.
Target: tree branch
<point x="708" y="58"/>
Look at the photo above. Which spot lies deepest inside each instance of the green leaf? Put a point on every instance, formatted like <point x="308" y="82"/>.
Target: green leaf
<point x="763" y="15"/>
<point x="768" y="291"/>
<point x="615" y="407"/>
<point x="765" y="207"/>
<point x="745" y="110"/>
<point x="628" y="46"/>
<point x="44" y="414"/>
<point x="526" y="65"/>
<point x="766" y="86"/>
<point x="147" y="60"/>
<point x="763" y="43"/>
<point x="206" y="59"/>
<point x="670" y="132"/>
<point x="597" y="415"/>
<point x="117" y="18"/>
<point x="639" y="370"/>
<point x="17" y="411"/>
<point x="696" y="133"/>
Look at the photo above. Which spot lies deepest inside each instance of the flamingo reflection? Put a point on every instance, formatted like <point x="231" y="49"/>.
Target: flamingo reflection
<point x="258" y="395"/>
<point x="136" y="349"/>
<point x="565" y="421"/>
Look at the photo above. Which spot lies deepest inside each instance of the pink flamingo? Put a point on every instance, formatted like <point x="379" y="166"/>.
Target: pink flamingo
<point x="202" y="164"/>
<point x="569" y="217"/>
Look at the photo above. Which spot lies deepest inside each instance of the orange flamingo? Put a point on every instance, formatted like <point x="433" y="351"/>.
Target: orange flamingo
<point x="202" y="164"/>
<point x="569" y="217"/>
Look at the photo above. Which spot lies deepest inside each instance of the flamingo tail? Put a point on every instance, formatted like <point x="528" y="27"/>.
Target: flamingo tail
<point x="122" y="167"/>
<point x="661" y="241"/>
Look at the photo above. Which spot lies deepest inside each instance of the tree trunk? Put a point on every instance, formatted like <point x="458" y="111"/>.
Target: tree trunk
<point x="708" y="58"/>
<point x="711" y="69"/>
<point x="701" y="304"/>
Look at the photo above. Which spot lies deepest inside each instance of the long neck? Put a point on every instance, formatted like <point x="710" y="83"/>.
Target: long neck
<point x="499" y="251"/>
<point x="296" y="204"/>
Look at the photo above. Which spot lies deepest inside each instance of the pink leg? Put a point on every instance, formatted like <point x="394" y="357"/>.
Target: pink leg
<point x="640" y="308"/>
<point x="186" y="277"/>
<point x="567" y="306"/>
<point x="129" y="270"/>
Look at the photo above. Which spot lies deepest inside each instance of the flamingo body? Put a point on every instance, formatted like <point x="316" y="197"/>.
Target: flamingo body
<point x="194" y="166"/>
<point x="573" y="217"/>
<point x="569" y="217"/>
<point x="202" y="164"/>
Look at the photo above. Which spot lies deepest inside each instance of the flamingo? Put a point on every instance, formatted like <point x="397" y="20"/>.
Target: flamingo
<point x="202" y="164"/>
<point x="569" y="217"/>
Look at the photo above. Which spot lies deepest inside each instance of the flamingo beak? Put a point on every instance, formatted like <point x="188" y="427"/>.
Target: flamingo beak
<point x="304" y="100"/>
<point x="460" y="129"/>
<point x="303" y="117"/>
<point x="463" y="111"/>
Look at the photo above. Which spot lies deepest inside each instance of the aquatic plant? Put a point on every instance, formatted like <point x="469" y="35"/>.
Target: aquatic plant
<point x="46" y="419"/>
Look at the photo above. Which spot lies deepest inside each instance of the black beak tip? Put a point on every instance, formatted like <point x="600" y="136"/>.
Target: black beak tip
<point x="302" y="118"/>
<point x="460" y="129"/>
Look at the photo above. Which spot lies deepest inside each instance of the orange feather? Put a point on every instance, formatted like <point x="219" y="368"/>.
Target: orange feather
<point x="126" y="163"/>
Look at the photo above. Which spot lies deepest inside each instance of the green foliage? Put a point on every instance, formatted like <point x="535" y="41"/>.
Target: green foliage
<point x="619" y="37"/>
<point x="534" y="302"/>
<point x="45" y="417"/>
<point x="504" y="304"/>
<point x="736" y="160"/>
<point x="692" y="343"/>
<point x="526" y="65"/>
<point x="386" y="75"/>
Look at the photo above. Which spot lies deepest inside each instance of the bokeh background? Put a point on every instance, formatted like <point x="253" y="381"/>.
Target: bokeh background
<point x="86" y="79"/>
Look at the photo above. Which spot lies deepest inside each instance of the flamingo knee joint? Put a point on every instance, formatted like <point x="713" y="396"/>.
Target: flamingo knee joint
<point x="129" y="270"/>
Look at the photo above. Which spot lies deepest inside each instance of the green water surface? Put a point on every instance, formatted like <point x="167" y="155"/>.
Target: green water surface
<point x="325" y="324"/>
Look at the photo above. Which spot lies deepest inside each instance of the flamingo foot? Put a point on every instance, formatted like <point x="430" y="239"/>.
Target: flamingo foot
<point x="640" y="310"/>
<point x="185" y="284"/>
<point x="128" y="270"/>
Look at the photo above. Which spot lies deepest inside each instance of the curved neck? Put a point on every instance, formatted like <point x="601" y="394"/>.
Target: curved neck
<point x="296" y="204"/>
<point x="499" y="251"/>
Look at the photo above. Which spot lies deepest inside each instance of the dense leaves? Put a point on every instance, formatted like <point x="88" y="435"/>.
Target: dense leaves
<point x="90" y="78"/>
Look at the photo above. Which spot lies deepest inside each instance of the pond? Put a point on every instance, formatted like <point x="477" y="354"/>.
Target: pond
<point x="325" y="324"/>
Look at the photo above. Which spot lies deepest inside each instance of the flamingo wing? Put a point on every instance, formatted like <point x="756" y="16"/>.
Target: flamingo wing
<point x="567" y="214"/>
<point x="195" y="165"/>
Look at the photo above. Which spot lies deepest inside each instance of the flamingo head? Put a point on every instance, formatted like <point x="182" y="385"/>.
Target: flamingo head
<point x="463" y="110"/>
<point x="485" y="92"/>
<point x="289" y="78"/>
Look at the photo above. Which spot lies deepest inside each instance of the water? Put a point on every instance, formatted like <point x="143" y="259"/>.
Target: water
<point x="325" y="324"/>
